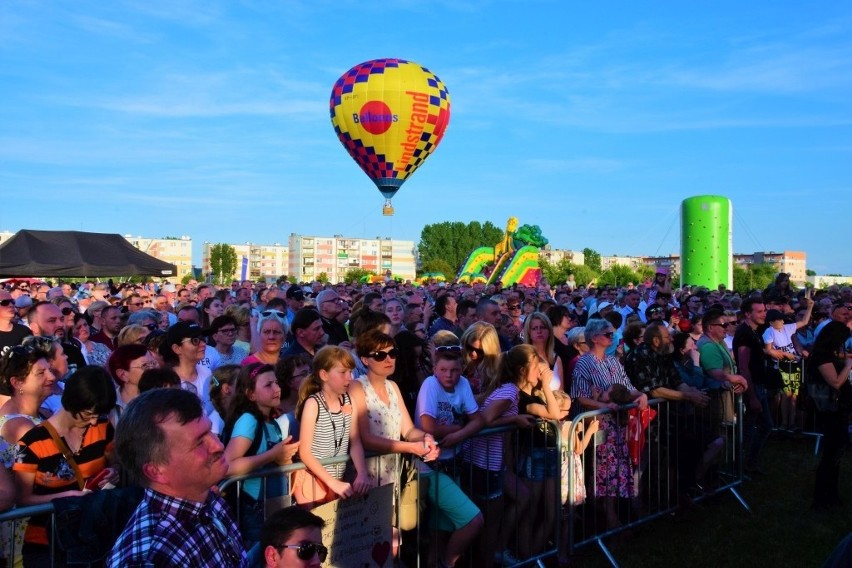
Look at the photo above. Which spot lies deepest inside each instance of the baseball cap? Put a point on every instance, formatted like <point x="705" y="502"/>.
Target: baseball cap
<point x="23" y="302"/>
<point x="603" y="305"/>
<point x="295" y="292"/>
<point x="774" y="315"/>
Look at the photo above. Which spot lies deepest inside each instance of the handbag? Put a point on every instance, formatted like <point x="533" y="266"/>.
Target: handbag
<point x="409" y="493"/>
<point x="310" y="490"/>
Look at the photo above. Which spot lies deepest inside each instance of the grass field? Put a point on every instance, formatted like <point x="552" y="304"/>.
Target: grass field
<point x="780" y="531"/>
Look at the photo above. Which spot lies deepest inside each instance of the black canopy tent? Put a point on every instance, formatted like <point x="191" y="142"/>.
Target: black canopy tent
<point x="76" y="254"/>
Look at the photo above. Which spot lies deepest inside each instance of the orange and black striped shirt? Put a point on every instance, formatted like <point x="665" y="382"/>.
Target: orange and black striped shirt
<point x="39" y="455"/>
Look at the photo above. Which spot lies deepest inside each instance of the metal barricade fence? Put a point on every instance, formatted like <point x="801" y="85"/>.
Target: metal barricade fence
<point x="643" y="465"/>
<point x="11" y="519"/>
<point x="538" y="496"/>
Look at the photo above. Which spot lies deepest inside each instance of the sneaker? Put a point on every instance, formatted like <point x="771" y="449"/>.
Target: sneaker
<point x="506" y="558"/>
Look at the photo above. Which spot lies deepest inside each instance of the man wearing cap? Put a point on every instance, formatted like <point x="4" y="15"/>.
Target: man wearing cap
<point x="11" y="333"/>
<point x="329" y="307"/>
<point x="295" y="299"/>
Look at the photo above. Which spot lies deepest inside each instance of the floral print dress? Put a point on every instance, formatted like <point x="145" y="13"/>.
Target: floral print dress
<point x="12" y="533"/>
<point x="385" y="420"/>
<point x="614" y="473"/>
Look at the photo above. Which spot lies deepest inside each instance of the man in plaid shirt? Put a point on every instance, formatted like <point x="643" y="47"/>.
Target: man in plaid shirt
<point x="164" y="444"/>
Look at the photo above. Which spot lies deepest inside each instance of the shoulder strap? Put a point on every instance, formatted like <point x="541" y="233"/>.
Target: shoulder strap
<point x="66" y="451"/>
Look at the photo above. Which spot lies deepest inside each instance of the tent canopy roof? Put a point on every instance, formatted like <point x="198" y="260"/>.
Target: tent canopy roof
<point x="76" y="254"/>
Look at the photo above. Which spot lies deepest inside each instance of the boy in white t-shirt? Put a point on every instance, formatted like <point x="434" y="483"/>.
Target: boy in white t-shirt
<point x="447" y="410"/>
<point x="778" y="341"/>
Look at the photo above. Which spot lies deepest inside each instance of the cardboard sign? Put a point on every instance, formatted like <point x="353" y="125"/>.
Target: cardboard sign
<point x="358" y="530"/>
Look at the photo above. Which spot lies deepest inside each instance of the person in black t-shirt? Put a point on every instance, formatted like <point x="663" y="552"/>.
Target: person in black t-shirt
<point x="750" y="358"/>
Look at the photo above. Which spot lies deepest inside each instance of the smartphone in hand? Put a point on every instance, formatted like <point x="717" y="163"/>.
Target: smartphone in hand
<point x="94" y="483"/>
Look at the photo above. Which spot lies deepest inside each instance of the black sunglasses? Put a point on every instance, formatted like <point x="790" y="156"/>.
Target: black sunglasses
<point x="480" y="353"/>
<point x="306" y="550"/>
<point x="609" y="334"/>
<point x="9" y="302"/>
<point x="514" y="306"/>
<point x="382" y="355"/>
<point x="456" y="348"/>
<point x="67" y="311"/>
<point x="150" y="326"/>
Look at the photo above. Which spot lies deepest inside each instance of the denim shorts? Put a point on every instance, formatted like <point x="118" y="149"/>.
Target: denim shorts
<point x="540" y="464"/>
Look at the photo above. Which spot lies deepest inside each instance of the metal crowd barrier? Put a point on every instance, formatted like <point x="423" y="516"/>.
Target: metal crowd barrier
<point x="689" y="454"/>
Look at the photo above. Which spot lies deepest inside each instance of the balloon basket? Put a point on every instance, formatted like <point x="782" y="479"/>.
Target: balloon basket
<point x="387" y="209"/>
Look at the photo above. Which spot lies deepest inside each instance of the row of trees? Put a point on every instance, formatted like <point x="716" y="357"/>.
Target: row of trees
<point x="445" y="246"/>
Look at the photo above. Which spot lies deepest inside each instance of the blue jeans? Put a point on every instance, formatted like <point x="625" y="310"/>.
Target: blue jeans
<point x="758" y="426"/>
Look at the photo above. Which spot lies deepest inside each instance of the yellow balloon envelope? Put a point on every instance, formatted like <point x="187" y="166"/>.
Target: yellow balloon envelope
<point x="390" y="115"/>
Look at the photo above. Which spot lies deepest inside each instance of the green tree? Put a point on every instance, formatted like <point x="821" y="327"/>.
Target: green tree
<point x="810" y="272"/>
<point x="223" y="262"/>
<point x="557" y="273"/>
<point x="452" y="242"/>
<point x="438" y="265"/>
<point x="354" y="275"/>
<point x="592" y="259"/>
<point x="322" y="277"/>
<point x="753" y="277"/>
<point x="617" y="275"/>
<point x="186" y="278"/>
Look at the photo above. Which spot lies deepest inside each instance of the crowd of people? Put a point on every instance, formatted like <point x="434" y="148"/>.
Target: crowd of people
<point x="174" y="388"/>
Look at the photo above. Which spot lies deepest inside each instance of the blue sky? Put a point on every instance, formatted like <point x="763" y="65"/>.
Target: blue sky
<point x="591" y="120"/>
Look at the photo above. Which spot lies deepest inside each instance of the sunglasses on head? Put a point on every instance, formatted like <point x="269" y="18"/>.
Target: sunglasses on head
<point x="273" y="313"/>
<point x="456" y="348"/>
<point x="306" y="550"/>
<point x="382" y="355"/>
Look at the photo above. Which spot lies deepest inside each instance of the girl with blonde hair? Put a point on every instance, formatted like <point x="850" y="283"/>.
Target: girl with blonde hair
<point x="328" y="428"/>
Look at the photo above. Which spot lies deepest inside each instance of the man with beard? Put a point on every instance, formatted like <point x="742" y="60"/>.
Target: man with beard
<point x="111" y="321"/>
<point x="651" y="369"/>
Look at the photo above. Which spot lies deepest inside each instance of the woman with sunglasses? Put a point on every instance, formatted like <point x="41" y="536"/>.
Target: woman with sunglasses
<point x="481" y="357"/>
<point x="93" y="352"/>
<point x="384" y="423"/>
<point x="11" y="332"/>
<point x="182" y="350"/>
<point x="594" y="373"/>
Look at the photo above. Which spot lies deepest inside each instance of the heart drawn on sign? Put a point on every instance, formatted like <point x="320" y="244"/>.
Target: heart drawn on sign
<point x="381" y="551"/>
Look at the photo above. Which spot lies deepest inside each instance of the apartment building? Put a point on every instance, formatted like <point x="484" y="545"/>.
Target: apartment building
<point x="266" y="262"/>
<point x="176" y="250"/>
<point x="334" y="256"/>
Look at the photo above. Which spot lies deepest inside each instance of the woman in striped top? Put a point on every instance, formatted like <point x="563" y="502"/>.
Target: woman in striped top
<point x="64" y="455"/>
<point x="329" y="428"/>
<point x="594" y="374"/>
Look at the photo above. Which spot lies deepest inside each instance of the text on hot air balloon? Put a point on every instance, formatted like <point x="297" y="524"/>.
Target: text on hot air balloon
<point x="419" y="116"/>
<point x="367" y="118"/>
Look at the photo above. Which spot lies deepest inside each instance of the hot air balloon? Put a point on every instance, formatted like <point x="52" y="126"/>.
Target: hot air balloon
<point x="390" y="115"/>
